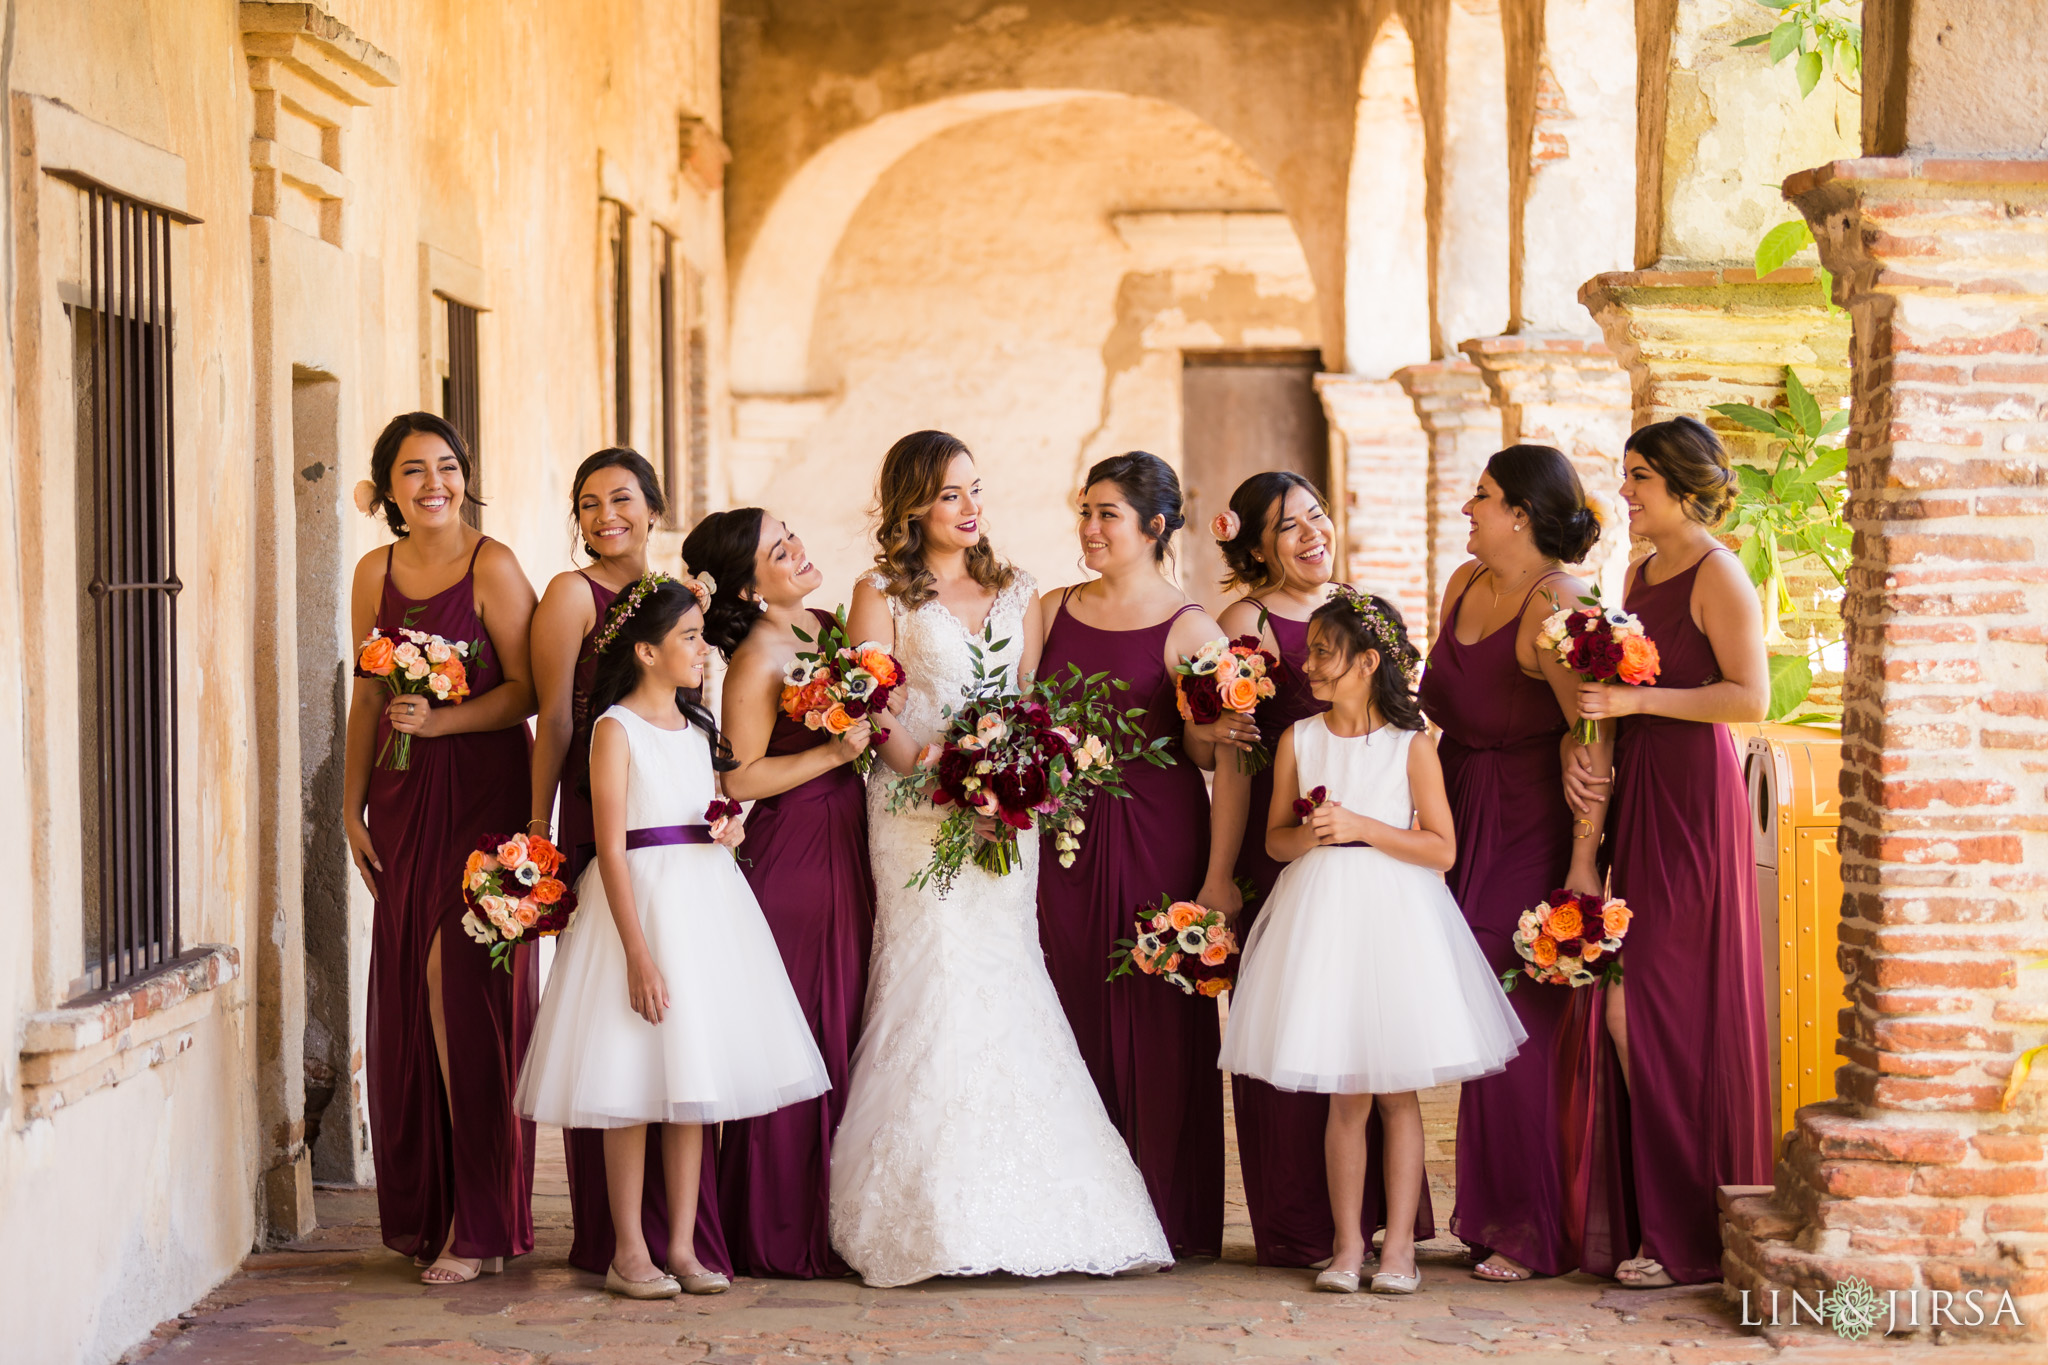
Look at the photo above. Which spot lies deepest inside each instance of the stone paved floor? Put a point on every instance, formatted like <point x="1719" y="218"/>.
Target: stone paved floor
<point x="340" y="1296"/>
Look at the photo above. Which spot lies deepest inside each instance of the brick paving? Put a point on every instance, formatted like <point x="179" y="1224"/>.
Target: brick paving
<point x="340" y="1296"/>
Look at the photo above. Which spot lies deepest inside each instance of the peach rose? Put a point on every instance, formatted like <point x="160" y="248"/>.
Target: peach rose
<point x="1183" y="913"/>
<point x="1639" y="662"/>
<point x="548" y="890"/>
<point x="1213" y="987"/>
<point x="376" y="658"/>
<point x="1616" y="917"/>
<point x="1565" y="922"/>
<point x="1215" y="954"/>
<point x="514" y="851"/>
<point x="1591" y="952"/>
<point x="1543" y="952"/>
<point x="816" y="696"/>
<point x="458" y="678"/>
<point x="527" y="913"/>
<point x="1172" y="964"/>
<point x="837" y="722"/>
<point x="474" y="867"/>
<point x="1240" y="693"/>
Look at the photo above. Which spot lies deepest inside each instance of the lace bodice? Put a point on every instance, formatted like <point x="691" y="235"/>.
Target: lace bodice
<point x="936" y="652"/>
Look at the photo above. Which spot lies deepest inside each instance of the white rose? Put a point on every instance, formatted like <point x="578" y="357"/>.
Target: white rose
<point x="439" y="651"/>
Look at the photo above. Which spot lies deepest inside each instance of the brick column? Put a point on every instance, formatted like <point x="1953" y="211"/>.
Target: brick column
<point x="1382" y="457"/>
<point x="1569" y="393"/>
<point x="1463" y="427"/>
<point x="1915" y="1179"/>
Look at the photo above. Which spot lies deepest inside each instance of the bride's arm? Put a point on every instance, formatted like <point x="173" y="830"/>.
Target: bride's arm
<point x="869" y="618"/>
<point x="1034" y="638"/>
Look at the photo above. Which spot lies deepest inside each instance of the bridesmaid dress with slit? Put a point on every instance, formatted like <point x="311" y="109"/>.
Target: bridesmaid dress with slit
<point x="455" y="1151"/>
<point x="1151" y="1049"/>
<point x="590" y="1209"/>
<point x="1280" y="1132"/>
<point x="1504" y="775"/>
<point x="1698" y="1114"/>
<point x="806" y="856"/>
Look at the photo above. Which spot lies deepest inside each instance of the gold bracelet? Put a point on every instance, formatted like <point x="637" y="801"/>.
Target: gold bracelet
<point x="542" y="823"/>
<point x="1591" y="832"/>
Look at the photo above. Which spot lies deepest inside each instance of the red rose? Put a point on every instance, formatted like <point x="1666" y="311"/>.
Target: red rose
<point x="1201" y="699"/>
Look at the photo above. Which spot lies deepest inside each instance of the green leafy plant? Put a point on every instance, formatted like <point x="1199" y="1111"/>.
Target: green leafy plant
<point x="1790" y="510"/>
<point x="1817" y="40"/>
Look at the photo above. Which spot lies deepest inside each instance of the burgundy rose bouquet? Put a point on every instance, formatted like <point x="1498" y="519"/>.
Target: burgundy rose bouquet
<point x="1600" y="644"/>
<point x="1226" y="675"/>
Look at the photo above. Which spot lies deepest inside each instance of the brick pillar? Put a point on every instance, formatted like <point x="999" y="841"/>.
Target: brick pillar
<point x="1569" y="393"/>
<point x="1463" y="427"/>
<point x="1915" y="1179"/>
<point x="1381" y="456"/>
<point x="1692" y="338"/>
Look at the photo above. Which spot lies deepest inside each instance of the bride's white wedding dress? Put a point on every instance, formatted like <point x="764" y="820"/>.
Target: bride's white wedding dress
<point x="974" y="1140"/>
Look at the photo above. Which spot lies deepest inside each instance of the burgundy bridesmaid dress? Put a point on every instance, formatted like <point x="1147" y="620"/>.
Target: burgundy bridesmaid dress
<point x="806" y="856"/>
<point x="1504" y="775"/>
<point x="590" y="1209"/>
<point x="456" y="1150"/>
<point x="1698" y="1114"/>
<point x="1280" y="1132"/>
<point x="1151" y="1049"/>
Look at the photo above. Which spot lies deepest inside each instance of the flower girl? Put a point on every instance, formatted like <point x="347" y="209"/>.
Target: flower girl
<point x="1360" y="979"/>
<point x="667" y="1002"/>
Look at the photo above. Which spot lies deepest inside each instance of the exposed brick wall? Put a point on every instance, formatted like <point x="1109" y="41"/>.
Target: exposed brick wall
<point x="1386" y="491"/>
<point x="1457" y="413"/>
<point x="1916" y="1179"/>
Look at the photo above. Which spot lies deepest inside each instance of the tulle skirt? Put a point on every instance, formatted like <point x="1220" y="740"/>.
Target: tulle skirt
<point x="1361" y="977"/>
<point x="733" y="1042"/>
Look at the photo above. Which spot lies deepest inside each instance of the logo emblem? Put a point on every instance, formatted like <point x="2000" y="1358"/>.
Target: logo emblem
<point x="1854" y="1309"/>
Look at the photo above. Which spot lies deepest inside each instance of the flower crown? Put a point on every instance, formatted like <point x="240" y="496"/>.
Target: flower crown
<point x="1393" y="643"/>
<point x="623" y="610"/>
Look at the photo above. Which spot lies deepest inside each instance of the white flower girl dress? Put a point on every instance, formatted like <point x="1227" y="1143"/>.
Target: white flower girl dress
<point x="733" y="1042"/>
<point x="1361" y="976"/>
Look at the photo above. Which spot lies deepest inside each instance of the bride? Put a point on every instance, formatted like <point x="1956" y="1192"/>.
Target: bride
<point x="974" y="1140"/>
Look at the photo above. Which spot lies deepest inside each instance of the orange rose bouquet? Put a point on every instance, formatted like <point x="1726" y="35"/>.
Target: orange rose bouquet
<point x="1600" y="644"/>
<point x="512" y="892"/>
<point x="837" y="684"/>
<point x="412" y="662"/>
<point x="1226" y="675"/>
<point x="1182" y="944"/>
<point x="1564" y="940"/>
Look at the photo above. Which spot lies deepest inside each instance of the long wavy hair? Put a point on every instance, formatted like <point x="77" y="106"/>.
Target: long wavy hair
<point x="724" y="545"/>
<point x="913" y="475"/>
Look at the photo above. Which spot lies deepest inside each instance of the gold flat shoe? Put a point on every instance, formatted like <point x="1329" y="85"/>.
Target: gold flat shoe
<point x="708" y="1282"/>
<point x="1338" y="1282"/>
<point x="1388" y="1283"/>
<point x="660" y="1287"/>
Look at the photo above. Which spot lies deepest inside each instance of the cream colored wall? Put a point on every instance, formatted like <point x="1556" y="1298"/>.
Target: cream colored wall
<point x="979" y="290"/>
<point x="508" y="121"/>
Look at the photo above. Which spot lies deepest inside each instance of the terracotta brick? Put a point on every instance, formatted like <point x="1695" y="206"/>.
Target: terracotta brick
<point x="1840" y="1137"/>
<point x="1918" y="795"/>
<point x="1995" y="372"/>
<point x="1854" y="1179"/>
<point x="1881" y="1244"/>
<point x="2013" y="341"/>
<point x="1986" y="849"/>
<point x="2030" y="704"/>
<point x="2008" y="1146"/>
<point x="2016" y="1218"/>
<point x="1884" y="1215"/>
<point x="1907" y="1035"/>
<point x="1953" y="1181"/>
<point x="1995" y="549"/>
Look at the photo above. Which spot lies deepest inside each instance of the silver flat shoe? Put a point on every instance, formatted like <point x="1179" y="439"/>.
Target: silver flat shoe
<point x="1338" y="1282"/>
<point x="710" y="1282"/>
<point x="1387" y="1283"/>
<point x="660" y="1287"/>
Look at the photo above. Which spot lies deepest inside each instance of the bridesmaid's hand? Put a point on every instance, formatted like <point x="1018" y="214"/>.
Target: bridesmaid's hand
<point x="411" y="715"/>
<point x="1231" y="730"/>
<point x="1584" y="789"/>
<point x="850" y="745"/>
<point x="1607" y="701"/>
<point x="1585" y="882"/>
<point x="645" y="987"/>
<point x="1221" y="893"/>
<point x="363" y="853"/>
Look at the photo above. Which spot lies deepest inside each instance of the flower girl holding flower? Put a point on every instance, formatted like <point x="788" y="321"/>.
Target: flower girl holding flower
<point x="1360" y="979"/>
<point x="668" y="1003"/>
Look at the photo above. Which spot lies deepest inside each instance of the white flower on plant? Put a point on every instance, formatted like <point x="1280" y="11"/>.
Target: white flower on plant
<point x="1208" y="657"/>
<point x="527" y="874"/>
<point x="1076" y="825"/>
<point x="1530" y="922"/>
<point x="440" y="685"/>
<point x="972" y="784"/>
<point x="418" y="637"/>
<point x="1187" y="987"/>
<point x="860" y="684"/>
<point x="1150" y="944"/>
<point x="407" y="654"/>
<point x="1066" y="860"/>
<point x="800" y="673"/>
<point x="416" y="670"/>
<point x="985" y="767"/>
<point x="439" y="651"/>
<point x="474" y="927"/>
<point x="1065" y="843"/>
<point x="1554" y="629"/>
<point x="1191" y="939"/>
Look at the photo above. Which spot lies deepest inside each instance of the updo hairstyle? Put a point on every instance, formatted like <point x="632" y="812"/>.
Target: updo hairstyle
<point x="1257" y="503"/>
<point x="1150" y="486"/>
<point x="1541" y="483"/>
<point x="725" y="545"/>
<point x="1694" y="466"/>
<point x="385" y="454"/>
<point x="615" y="457"/>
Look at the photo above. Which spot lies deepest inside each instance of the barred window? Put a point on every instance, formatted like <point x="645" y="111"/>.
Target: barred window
<point x="667" y="382"/>
<point x="461" y="399"/>
<point x="618" y="233"/>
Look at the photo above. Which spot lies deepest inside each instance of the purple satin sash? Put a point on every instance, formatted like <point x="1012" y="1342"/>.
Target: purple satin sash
<point x="660" y="836"/>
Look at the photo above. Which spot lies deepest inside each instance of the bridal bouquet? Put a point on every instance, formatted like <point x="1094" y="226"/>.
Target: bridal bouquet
<point x="413" y="662"/>
<point x="837" y="684"/>
<point x="512" y="894"/>
<point x="1029" y="757"/>
<point x="1564" y="937"/>
<point x="1600" y="644"/>
<point x="1181" y="943"/>
<point x="1226" y="675"/>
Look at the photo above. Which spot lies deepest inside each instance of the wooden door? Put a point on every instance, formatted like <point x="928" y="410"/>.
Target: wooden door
<point x="1241" y="412"/>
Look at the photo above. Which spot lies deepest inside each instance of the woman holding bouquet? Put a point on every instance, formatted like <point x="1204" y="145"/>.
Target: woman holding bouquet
<point x="446" y="1028"/>
<point x="1152" y="1051"/>
<point x="1685" y="1100"/>
<point x="1504" y="704"/>
<point x="614" y="500"/>
<point x="1277" y="541"/>
<point x="807" y="850"/>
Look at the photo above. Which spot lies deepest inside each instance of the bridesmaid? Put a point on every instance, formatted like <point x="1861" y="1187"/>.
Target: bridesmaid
<point x="1687" y="1028"/>
<point x="614" y="500"/>
<point x="1505" y="706"/>
<point x="1278" y="543"/>
<point x="807" y="861"/>
<point x="446" y="1032"/>
<point x="1151" y="1050"/>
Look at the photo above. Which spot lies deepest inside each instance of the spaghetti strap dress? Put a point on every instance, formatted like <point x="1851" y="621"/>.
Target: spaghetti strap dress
<point x="456" y="1151"/>
<point x="1150" y="1049"/>
<point x="1697" y="1114"/>
<point x="590" y="1209"/>
<point x="1280" y="1132"/>
<point x="806" y="856"/>
<point x="1503" y="772"/>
